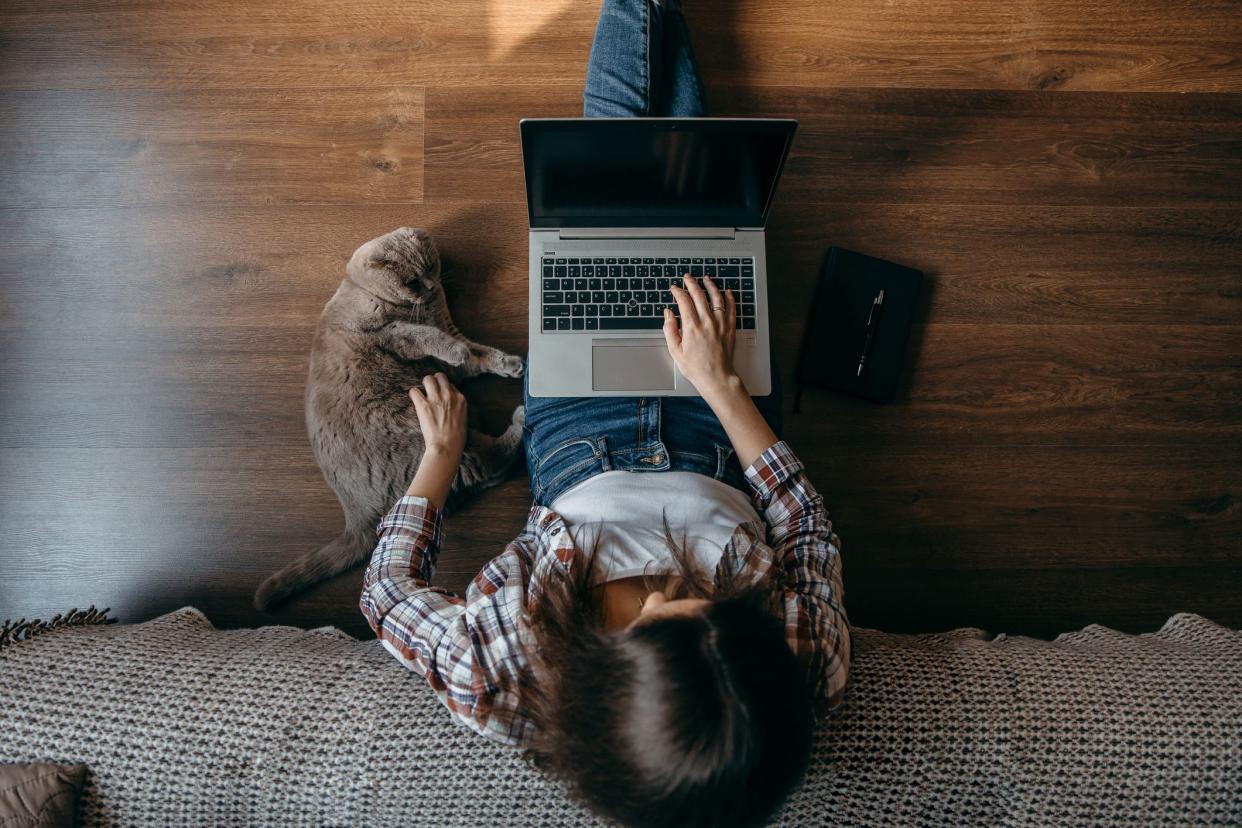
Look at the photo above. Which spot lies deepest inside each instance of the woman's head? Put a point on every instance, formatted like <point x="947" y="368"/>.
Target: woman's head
<point x="695" y="714"/>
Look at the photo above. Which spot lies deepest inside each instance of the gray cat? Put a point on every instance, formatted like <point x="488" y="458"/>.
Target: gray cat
<point x="386" y="328"/>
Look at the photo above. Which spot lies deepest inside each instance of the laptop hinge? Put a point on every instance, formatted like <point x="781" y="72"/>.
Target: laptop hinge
<point x="647" y="233"/>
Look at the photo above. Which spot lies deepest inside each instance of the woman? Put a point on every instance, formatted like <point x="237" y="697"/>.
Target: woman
<point x="662" y="628"/>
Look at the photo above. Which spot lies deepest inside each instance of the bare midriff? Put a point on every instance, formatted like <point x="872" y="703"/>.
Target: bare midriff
<point x="622" y="598"/>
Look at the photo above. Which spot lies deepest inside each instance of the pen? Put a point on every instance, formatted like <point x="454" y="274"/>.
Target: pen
<point x="872" y="319"/>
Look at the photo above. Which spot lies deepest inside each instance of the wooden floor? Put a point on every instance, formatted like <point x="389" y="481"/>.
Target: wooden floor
<point x="181" y="184"/>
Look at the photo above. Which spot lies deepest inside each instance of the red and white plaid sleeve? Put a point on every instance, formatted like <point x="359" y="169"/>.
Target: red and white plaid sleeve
<point x="466" y="648"/>
<point x="800" y="532"/>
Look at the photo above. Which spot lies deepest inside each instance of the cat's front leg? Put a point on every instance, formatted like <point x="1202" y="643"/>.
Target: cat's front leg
<point x="485" y="360"/>
<point x="494" y="361"/>
<point x="411" y="342"/>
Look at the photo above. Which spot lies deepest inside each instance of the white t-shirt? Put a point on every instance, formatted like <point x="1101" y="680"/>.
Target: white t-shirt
<point x="621" y="515"/>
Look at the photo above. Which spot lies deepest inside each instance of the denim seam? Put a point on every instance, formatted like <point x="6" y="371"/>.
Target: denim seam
<point x="698" y="78"/>
<point x="647" y="57"/>
<point x="595" y="456"/>
<point x="552" y="484"/>
<point x="694" y="455"/>
<point x="593" y="442"/>
<point x="644" y="448"/>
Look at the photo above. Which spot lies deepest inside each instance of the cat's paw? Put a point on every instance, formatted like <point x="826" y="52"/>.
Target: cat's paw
<point x="512" y="438"/>
<point x="508" y="365"/>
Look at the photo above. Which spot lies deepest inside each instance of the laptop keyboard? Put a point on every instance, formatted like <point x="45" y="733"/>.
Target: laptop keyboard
<point x="630" y="293"/>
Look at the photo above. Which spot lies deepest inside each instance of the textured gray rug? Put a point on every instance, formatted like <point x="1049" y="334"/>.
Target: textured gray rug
<point x="183" y="724"/>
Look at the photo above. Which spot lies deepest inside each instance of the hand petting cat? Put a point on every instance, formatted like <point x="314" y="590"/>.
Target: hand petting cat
<point x="441" y="410"/>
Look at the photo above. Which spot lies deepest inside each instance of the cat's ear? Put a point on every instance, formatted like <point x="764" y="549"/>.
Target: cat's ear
<point x="383" y="263"/>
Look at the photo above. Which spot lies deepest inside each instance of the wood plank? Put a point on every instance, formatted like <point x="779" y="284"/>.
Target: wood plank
<point x="868" y="146"/>
<point x="316" y="44"/>
<point x="1017" y="507"/>
<point x="126" y="528"/>
<point x="239" y="146"/>
<point x="1055" y="385"/>
<point x="472" y="140"/>
<point x="1041" y="602"/>
<point x="1148" y="45"/>
<point x="1031" y="265"/>
<point x="1151" y="45"/>
<point x="1002" y="147"/>
<point x="254" y="265"/>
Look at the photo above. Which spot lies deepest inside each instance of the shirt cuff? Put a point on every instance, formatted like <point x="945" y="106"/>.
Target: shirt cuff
<point x="410" y="513"/>
<point x="776" y="465"/>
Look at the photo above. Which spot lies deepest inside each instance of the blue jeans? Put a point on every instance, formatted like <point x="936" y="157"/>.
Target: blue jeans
<point x="640" y="65"/>
<point x="568" y="439"/>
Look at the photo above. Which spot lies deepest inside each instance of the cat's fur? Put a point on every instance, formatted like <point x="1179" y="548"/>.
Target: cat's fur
<point x="386" y="328"/>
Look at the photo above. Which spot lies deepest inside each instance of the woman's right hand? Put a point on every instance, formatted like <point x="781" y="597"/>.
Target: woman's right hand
<point x="703" y="351"/>
<point x="441" y="410"/>
<point x="702" y="346"/>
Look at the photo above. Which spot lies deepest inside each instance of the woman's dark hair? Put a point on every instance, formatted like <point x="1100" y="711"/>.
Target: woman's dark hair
<point x="681" y="721"/>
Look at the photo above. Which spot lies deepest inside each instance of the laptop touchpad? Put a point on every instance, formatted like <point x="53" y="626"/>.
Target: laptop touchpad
<point x="632" y="365"/>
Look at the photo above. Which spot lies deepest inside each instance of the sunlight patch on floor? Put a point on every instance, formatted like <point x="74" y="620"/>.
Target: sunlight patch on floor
<point x="512" y="24"/>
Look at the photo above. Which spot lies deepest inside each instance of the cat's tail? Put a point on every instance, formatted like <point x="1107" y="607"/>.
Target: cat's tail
<point x="347" y="549"/>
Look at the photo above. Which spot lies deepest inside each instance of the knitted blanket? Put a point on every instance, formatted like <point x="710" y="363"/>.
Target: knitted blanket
<point x="183" y="724"/>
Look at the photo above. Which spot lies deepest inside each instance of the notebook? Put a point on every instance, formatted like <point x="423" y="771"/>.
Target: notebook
<point x="860" y="320"/>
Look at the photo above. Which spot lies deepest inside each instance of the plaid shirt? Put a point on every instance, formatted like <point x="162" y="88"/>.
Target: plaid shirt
<point x="471" y="649"/>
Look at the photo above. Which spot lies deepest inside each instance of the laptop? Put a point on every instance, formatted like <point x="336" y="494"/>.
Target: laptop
<point x="619" y="209"/>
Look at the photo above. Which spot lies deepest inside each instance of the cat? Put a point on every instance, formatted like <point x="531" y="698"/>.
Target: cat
<point x="386" y="328"/>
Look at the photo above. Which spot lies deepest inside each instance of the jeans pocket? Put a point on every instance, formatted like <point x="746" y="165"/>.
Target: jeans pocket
<point x="567" y="462"/>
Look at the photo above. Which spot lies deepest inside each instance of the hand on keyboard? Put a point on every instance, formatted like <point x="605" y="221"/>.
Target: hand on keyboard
<point x="702" y="345"/>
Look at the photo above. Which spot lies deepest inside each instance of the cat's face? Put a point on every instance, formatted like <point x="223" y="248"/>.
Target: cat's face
<point x="402" y="266"/>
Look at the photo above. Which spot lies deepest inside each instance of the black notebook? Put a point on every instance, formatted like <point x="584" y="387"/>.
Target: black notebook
<point x="859" y="323"/>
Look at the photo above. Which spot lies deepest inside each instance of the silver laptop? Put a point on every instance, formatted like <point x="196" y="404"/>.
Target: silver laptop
<point x="620" y="208"/>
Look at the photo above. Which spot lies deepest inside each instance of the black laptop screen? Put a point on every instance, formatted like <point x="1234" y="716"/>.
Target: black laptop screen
<point x="652" y="172"/>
